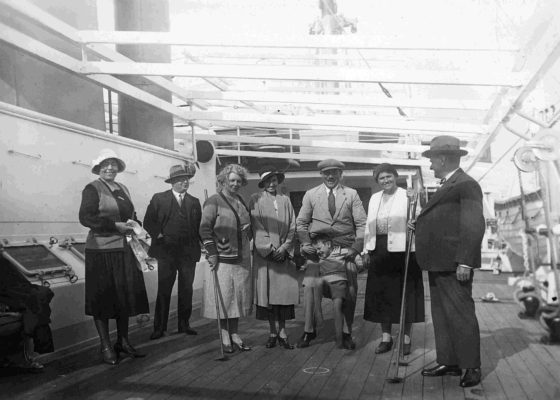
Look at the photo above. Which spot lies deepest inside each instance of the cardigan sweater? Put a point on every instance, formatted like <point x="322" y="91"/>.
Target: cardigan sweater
<point x="103" y="234"/>
<point x="220" y="228"/>
<point x="396" y="235"/>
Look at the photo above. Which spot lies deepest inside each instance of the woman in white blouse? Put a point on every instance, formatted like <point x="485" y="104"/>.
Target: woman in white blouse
<point x="384" y="247"/>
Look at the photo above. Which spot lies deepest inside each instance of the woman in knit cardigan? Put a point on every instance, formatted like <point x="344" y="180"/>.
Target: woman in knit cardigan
<point x="226" y="232"/>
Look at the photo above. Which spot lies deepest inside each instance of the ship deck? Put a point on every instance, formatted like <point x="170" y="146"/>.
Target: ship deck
<point x="515" y="363"/>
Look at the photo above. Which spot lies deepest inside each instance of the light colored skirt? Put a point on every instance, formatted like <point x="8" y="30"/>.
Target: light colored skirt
<point x="234" y="291"/>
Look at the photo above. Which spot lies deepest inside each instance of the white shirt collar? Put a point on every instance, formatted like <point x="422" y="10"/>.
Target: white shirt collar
<point x="177" y="194"/>
<point x="334" y="189"/>
<point x="446" y="177"/>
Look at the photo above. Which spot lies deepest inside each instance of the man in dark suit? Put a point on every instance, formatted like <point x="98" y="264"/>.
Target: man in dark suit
<point x="172" y="220"/>
<point x="449" y="233"/>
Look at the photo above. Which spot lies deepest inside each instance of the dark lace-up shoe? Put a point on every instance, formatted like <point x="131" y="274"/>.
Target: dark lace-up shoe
<point x="347" y="341"/>
<point x="441" y="370"/>
<point x="471" y="378"/>
<point x="305" y="339"/>
<point x="384" y="347"/>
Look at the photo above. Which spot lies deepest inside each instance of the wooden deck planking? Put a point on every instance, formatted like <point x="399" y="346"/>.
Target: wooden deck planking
<point x="432" y="388"/>
<point x="418" y="358"/>
<point x="329" y="364"/>
<point x="273" y="387"/>
<point x="364" y="361"/>
<point x="269" y="381"/>
<point x="516" y="364"/>
<point x="349" y="373"/>
<point x="530" y="373"/>
<point x="525" y="343"/>
<point x="491" y="382"/>
<point x="525" y="379"/>
<point x="254" y="378"/>
<point x="300" y="379"/>
<point x="497" y="346"/>
<point x="173" y="379"/>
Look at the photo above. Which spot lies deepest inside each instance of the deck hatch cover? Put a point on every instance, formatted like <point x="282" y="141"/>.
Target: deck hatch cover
<point x="34" y="259"/>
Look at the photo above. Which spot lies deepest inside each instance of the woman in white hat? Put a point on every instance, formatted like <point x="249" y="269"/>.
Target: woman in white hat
<point x="114" y="285"/>
<point x="274" y="226"/>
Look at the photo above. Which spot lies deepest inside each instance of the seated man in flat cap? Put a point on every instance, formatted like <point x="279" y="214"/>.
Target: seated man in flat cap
<point x="334" y="210"/>
<point x="172" y="220"/>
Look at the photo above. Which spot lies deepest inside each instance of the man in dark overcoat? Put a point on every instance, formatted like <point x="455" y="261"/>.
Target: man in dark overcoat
<point x="172" y="220"/>
<point x="449" y="233"/>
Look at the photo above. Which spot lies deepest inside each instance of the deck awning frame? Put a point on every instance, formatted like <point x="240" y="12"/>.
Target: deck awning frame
<point x="292" y="107"/>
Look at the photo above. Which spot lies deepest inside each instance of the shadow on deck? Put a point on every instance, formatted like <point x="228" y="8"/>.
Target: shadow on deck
<point x="516" y="365"/>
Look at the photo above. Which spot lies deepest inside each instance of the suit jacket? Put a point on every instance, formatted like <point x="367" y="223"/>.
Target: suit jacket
<point x="346" y="227"/>
<point x="157" y="216"/>
<point x="450" y="228"/>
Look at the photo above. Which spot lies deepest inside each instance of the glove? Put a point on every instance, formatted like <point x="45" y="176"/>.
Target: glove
<point x="213" y="261"/>
<point x="279" y="255"/>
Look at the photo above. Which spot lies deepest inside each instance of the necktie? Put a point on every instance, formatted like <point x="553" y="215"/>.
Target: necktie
<point x="181" y="199"/>
<point x="332" y="205"/>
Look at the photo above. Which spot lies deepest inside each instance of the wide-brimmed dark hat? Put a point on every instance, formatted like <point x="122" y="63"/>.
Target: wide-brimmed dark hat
<point x="106" y="154"/>
<point x="267" y="172"/>
<point x="330" y="163"/>
<point x="445" y="145"/>
<point x="177" y="171"/>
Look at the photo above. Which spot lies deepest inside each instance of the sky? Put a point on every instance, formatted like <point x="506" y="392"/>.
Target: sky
<point x="492" y="23"/>
<point x="472" y="21"/>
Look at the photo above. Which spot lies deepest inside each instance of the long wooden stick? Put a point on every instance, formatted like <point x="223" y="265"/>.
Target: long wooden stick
<point x="411" y="212"/>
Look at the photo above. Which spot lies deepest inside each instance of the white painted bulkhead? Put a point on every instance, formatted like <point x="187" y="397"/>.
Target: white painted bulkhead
<point x="46" y="163"/>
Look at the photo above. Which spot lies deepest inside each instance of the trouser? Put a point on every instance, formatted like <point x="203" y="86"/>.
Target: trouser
<point x="456" y="330"/>
<point x="169" y="266"/>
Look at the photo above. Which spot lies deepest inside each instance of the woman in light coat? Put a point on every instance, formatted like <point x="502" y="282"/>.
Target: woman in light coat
<point x="276" y="285"/>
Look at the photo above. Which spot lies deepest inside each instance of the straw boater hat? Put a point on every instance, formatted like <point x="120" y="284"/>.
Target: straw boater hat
<point x="106" y="154"/>
<point x="445" y="145"/>
<point x="268" y="171"/>
<point x="330" y="163"/>
<point x="177" y="171"/>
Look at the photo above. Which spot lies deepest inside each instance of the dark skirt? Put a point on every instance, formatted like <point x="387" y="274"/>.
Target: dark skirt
<point x="385" y="283"/>
<point x="277" y="311"/>
<point x="114" y="285"/>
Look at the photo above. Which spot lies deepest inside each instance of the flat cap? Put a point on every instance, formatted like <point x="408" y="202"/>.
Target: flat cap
<point x="330" y="163"/>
